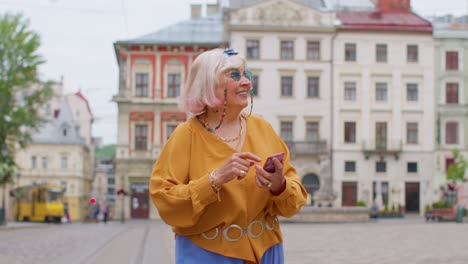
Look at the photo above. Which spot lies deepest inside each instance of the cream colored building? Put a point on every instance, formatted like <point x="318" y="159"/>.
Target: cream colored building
<point x="59" y="155"/>
<point x="287" y="46"/>
<point x="62" y="151"/>
<point x="383" y="112"/>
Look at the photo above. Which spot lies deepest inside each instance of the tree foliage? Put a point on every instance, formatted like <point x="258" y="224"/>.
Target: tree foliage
<point x="21" y="92"/>
<point x="456" y="171"/>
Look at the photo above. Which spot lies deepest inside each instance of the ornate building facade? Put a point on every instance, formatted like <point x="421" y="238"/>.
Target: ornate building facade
<point x="384" y="96"/>
<point x="287" y="47"/>
<point x="153" y="69"/>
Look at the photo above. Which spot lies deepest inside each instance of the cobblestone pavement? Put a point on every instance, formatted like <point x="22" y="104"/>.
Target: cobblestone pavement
<point x="410" y="240"/>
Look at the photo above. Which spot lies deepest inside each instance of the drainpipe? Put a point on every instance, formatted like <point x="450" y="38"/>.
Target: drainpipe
<point x="332" y="101"/>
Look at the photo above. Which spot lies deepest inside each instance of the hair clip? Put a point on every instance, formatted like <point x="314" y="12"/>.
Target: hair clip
<point x="230" y="52"/>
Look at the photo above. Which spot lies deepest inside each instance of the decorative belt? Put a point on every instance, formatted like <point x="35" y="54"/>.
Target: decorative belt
<point x="263" y="225"/>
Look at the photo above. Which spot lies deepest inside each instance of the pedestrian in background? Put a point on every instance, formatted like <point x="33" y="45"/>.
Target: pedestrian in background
<point x="207" y="182"/>
<point x="105" y="211"/>
<point x="96" y="212"/>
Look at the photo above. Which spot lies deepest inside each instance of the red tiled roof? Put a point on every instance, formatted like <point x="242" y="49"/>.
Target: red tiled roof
<point x="383" y="21"/>
<point x="80" y="95"/>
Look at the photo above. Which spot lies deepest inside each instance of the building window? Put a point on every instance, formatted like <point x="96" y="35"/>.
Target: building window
<point x="381" y="92"/>
<point x="380" y="166"/>
<point x="141" y="137"/>
<point x="286" y="86"/>
<point x="412" y="133"/>
<point x="313" y="50"/>
<point x="412" y="53"/>
<point x="173" y="84"/>
<point x="253" y="49"/>
<point x="451" y="60"/>
<point x="64" y="162"/>
<point x="64" y="131"/>
<point x="350" y="52"/>
<point x="254" y="82"/>
<point x="33" y="162"/>
<point x="350" y="132"/>
<point x="286" y="130"/>
<point x="350" y="166"/>
<point x="412" y="92"/>
<point x="381" y="52"/>
<point x="312" y="131"/>
<point x="350" y="91"/>
<point x="287" y="50"/>
<point x="169" y="129"/>
<point x="451" y="93"/>
<point x="44" y="162"/>
<point x="312" y="86"/>
<point x="141" y="84"/>
<point x="381" y="135"/>
<point x="451" y="133"/>
<point x="412" y="167"/>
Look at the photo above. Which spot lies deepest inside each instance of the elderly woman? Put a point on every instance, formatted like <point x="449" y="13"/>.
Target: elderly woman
<point x="209" y="183"/>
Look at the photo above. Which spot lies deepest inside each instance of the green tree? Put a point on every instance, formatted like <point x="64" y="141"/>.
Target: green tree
<point x="456" y="171"/>
<point x="21" y="92"/>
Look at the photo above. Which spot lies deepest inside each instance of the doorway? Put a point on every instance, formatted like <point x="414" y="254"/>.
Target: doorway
<point x="139" y="201"/>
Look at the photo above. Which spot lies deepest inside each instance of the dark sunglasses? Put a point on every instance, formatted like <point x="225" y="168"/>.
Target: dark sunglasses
<point x="236" y="75"/>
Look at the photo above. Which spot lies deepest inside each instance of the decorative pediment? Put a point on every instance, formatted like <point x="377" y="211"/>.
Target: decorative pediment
<point x="280" y="13"/>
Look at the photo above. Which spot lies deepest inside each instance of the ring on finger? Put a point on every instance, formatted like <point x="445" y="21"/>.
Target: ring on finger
<point x="269" y="184"/>
<point x="242" y="173"/>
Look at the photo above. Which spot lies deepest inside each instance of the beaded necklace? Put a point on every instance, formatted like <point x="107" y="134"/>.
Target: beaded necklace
<point x="209" y="129"/>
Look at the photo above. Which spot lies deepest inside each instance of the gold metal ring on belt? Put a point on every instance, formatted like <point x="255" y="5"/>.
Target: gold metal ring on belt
<point x="225" y="232"/>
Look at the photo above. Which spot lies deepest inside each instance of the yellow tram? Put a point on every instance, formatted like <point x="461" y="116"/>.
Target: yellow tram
<point x="38" y="203"/>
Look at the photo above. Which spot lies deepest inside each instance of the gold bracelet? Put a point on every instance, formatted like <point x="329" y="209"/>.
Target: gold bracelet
<point x="214" y="184"/>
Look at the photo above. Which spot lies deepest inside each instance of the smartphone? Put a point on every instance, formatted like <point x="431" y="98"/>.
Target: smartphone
<point x="269" y="165"/>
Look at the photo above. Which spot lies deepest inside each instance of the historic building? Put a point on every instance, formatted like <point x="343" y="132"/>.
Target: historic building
<point x="152" y="70"/>
<point x="383" y="109"/>
<point x="60" y="152"/>
<point x="451" y="99"/>
<point x="287" y="47"/>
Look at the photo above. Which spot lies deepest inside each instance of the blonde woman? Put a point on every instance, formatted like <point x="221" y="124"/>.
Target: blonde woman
<point x="209" y="183"/>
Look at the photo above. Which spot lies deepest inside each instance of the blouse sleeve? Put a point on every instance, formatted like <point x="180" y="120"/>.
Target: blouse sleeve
<point x="180" y="202"/>
<point x="294" y="196"/>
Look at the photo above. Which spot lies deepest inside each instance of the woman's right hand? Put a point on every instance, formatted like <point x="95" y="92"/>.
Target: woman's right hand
<point x="237" y="166"/>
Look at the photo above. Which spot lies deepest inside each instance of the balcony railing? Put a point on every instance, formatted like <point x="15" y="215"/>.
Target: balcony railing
<point x="307" y="147"/>
<point x="382" y="148"/>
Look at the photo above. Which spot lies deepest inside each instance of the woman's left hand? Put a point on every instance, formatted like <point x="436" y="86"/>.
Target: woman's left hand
<point x="274" y="181"/>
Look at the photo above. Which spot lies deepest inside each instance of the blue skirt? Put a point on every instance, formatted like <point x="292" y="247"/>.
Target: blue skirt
<point x="189" y="253"/>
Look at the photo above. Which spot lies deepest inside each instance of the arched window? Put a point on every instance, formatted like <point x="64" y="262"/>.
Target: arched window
<point x="312" y="184"/>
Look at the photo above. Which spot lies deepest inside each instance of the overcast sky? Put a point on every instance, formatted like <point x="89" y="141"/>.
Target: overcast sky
<point x="77" y="41"/>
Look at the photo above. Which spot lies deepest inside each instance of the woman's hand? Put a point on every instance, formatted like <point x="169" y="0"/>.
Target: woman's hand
<point x="237" y="166"/>
<point x="274" y="181"/>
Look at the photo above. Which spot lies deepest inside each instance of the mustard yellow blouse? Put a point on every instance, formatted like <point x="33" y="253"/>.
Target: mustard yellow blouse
<point x="181" y="191"/>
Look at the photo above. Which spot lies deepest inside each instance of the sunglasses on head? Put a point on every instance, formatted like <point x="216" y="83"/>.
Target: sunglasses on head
<point x="236" y="75"/>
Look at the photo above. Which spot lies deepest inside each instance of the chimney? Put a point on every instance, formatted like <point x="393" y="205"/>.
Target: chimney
<point x="389" y="6"/>
<point x="195" y="11"/>
<point x="212" y="9"/>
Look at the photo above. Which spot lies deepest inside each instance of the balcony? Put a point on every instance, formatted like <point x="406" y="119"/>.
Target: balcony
<point x="307" y="147"/>
<point x="382" y="148"/>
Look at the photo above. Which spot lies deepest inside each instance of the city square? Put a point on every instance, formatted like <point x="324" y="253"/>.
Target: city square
<point x="409" y="240"/>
